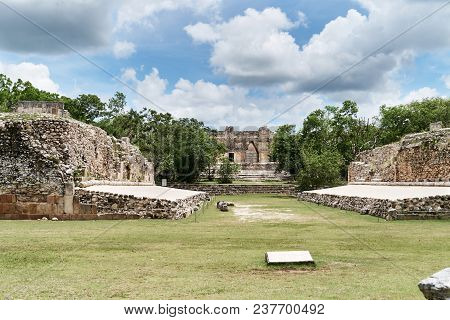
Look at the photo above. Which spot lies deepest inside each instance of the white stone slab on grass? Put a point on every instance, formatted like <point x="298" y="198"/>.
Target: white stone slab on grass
<point x="152" y="192"/>
<point x="277" y="257"/>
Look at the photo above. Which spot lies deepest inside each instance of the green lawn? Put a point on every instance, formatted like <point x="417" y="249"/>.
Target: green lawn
<point x="221" y="257"/>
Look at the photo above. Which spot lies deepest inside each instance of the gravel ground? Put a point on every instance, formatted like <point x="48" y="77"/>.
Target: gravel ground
<point x="385" y="192"/>
<point x="153" y="192"/>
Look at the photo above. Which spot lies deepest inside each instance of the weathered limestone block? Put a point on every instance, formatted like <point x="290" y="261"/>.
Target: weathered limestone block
<point x="402" y="209"/>
<point x="127" y="206"/>
<point x="68" y="197"/>
<point x="41" y="152"/>
<point x="222" y="206"/>
<point x="436" y="287"/>
<point x="420" y="157"/>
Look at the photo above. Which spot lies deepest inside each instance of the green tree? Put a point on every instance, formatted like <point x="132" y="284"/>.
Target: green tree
<point x="13" y="92"/>
<point x="397" y="121"/>
<point x="350" y="134"/>
<point x="227" y="170"/>
<point x="321" y="169"/>
<point x="116" y="105"/>
<point x="86" y="107"/>
<point x="330" y="132"/>
<point x="285" y="149"/>
<point x="180" y="149"/>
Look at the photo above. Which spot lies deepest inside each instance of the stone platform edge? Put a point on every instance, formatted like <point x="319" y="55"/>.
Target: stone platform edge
<point x="418" y="183"/>
<point x="90" y="205"/>
<point x="426" y="208"/>
<point x="89" y="183"/>
<point x="237" y="189"/>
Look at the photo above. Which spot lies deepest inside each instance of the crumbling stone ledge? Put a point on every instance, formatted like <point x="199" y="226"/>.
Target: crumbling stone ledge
<point x="89" y="205"/>
<point x="88" y="183"/>
<point x="436" y="207"/>
<point x="413" y="183"/>
<point x="237" y="189"/>
<point x="128" y="205"/>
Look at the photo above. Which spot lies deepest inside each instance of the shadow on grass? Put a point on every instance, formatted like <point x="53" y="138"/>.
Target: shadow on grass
<point x="282" y="268"/>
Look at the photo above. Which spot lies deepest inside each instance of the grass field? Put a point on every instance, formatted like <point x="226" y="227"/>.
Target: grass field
<point x="221" y="256"/>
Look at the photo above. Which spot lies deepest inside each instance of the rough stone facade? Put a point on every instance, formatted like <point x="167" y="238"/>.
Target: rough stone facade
<point x="125" y="205"/>
<point x="437" y="286"/>
<point x="421" y="157"/>
<point x="437" y="207"/>
<point x="40" y="153"/>
<point x="46" y="107"/>
<point x="43" y="152"/>
<point x="250" y="149"/>
<point x="89" y="205"/>
<point x="235" y="189"/>
<point x="246" y="146"/>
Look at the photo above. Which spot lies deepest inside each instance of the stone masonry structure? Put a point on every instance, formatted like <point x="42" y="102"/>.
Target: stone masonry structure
<point x="250" y="149"/>
<point x="44" y="153"/>
<point x="118" y="206"/>
<point x="421" y="159"/>
<point x="236" y="189"/>
<point x="416" y="158"/>
<point x="427" y="208"/>
<point x="40" y="153"/>
<point x="46" y="107"/>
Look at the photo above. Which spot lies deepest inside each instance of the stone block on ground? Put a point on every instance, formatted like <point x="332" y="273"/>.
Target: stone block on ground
<point x="222" y="206"/>
<point x="437" y="286"/>
<point x="280" y="257"/>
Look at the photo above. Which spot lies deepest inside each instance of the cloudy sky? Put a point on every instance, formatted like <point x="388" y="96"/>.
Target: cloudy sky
<point x="233" y="62"/>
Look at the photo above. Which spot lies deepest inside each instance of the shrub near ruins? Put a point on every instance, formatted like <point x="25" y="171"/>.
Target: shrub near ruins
<point x="227" y="170"/>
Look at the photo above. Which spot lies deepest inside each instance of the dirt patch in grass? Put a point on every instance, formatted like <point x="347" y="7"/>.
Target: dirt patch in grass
<point x="254" y="212"/>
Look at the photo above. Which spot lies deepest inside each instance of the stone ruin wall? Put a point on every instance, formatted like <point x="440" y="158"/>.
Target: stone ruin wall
<point x="131" y="207"/>
<point x="241" y="144"/>
<point x="417" y="158"/>
<point x="425" y="157"/>
<point x="90" y="205"/>
<point x="375" y="165"/>
<point x="42" y="153"/>
<point x="428" y="208"/>
<point x="41" y="156"/>
<point x="236" y="189"/>
<point x="251" y="150"/>
<point x="47" y="107"/>
<point x="422" y="158"/>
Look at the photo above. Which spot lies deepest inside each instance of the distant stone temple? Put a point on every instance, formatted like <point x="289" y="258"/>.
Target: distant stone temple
<point x="250" y="149"/>
<point x="417" y="158"/>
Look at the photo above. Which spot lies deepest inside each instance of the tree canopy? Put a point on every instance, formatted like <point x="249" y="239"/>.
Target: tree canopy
<point x="317" y="155"/>
<point x="179" y="148"/>
<point x="330" y="138"/>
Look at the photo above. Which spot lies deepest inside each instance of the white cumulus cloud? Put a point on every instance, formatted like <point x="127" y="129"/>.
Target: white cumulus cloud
<point x="419" y="94"/>
<point x="123" y="49"/>
<point x="216" y="104"/>
<point x="143" y="12"/>
<point x="446" y="79"/>
<point x="37" y="74"/>
<point x="256" y="48"/>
